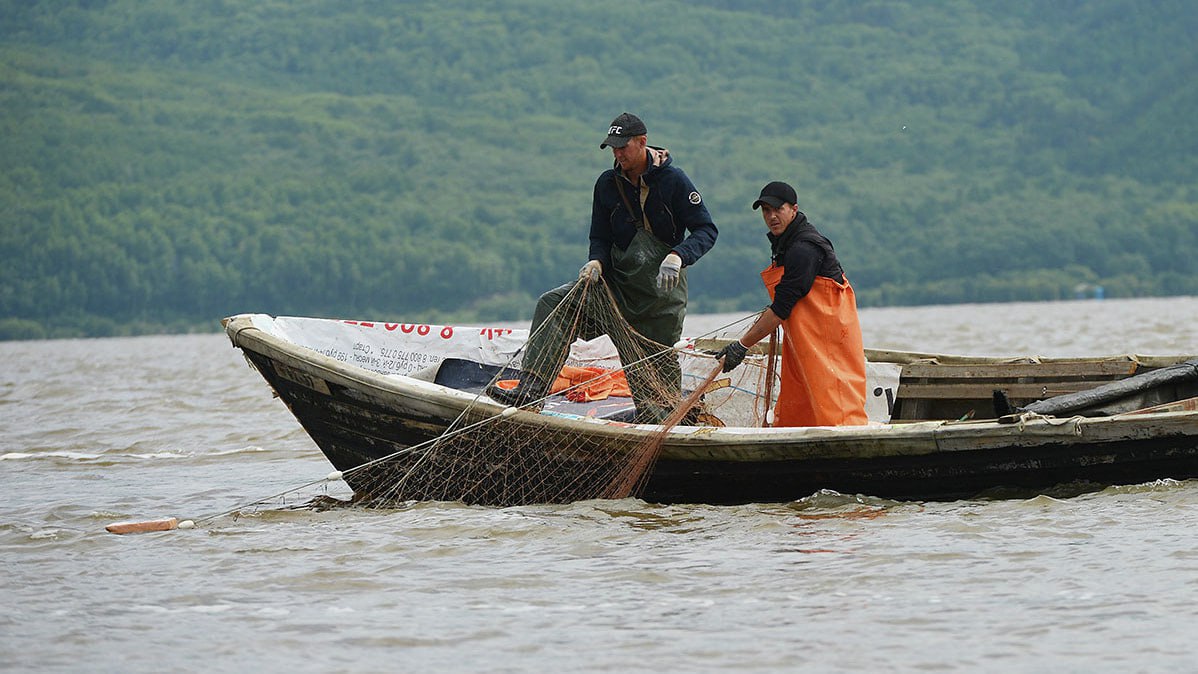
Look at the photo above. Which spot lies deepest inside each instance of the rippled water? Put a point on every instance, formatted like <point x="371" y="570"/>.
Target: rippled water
<point x="96" y="431"/>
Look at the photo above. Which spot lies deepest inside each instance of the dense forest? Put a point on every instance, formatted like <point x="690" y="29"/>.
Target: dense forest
<point x="165" y="164"/>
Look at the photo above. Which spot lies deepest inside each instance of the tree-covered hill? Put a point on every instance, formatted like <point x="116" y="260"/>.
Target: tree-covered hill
<point x="166" y="164"/>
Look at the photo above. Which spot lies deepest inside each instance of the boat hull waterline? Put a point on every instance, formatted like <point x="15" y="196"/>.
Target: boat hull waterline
<point x="355" y="416"/>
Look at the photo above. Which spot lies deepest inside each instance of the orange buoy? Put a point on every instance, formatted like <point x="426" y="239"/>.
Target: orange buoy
<point x="142" y="527"/>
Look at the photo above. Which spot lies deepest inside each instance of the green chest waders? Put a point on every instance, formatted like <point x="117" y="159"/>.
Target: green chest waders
<point x="653" y="313"/>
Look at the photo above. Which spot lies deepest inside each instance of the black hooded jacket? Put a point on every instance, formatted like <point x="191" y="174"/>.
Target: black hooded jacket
<point x="803" y="253"/>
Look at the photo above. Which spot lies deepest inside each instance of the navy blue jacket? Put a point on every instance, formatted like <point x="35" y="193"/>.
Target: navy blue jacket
<point x="677" y="214"/>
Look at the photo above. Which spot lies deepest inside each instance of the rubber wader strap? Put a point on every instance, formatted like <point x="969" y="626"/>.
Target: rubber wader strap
<point x="628" y="204"/>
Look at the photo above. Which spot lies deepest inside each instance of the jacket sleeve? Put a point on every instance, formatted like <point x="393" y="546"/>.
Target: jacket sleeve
<point x="691" y="212"/>
<point x="801" y="262"/>
<point x="601" y="233"/>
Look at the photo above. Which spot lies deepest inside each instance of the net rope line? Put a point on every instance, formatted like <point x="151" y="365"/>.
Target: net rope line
<point x="634" y="479"/>
<point x="517" y="459"/>
<point x="334" y="476"/>
<point x="451" y="432"/>
<point x="458" y="428"/>
<point x="693" y="353"/>
<point x="569" y="317"/>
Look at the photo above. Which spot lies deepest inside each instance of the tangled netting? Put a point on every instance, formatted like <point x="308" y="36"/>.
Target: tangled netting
<point x="519" y="456"/>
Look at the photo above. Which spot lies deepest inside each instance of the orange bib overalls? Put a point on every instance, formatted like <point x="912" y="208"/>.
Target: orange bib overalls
<point x="823" y="358"/>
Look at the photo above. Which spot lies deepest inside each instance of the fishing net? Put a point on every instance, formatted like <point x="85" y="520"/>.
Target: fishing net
<point x="537" y="451"/>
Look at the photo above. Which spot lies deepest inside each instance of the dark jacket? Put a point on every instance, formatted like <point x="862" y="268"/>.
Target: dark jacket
<point x="676" y="212"/>
<point x="803" y="253"/>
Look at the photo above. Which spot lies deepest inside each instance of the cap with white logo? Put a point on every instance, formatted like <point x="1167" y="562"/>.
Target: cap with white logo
<point x="623" y="129"/>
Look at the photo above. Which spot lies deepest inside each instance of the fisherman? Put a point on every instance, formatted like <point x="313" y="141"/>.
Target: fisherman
<point x="823" y="358"/>
<point x="648" y="224"/>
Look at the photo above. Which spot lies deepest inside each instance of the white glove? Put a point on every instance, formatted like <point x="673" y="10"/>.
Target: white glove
<point x="590" y="271"/>
<point x="667" y="275"/>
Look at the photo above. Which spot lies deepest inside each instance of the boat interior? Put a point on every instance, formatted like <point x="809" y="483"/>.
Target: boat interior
<point x="956" y="389"/>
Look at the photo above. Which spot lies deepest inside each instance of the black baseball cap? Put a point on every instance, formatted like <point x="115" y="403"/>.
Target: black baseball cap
<point x="775" y="194"/>
<point x="622" y="129"/>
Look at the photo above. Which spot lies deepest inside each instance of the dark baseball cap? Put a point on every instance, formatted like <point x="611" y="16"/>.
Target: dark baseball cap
<point x="775" y="194"/>
<point x="622" y="129"/>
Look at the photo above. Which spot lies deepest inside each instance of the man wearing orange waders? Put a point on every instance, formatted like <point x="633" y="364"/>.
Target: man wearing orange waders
<point x="823" y="359"/>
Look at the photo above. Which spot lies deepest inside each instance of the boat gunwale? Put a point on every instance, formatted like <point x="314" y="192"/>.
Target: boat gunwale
<point x="748" y="443"/>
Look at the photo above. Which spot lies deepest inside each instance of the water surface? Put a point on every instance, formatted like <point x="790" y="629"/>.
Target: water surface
<point x="97" y="431"/>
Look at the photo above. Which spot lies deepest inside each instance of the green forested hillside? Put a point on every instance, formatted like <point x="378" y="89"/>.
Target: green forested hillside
<point x="166" y="164"/>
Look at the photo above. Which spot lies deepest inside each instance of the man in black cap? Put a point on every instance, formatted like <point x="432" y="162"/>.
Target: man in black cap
<point x="648" y="224"/>
<point x="823" y="358"/>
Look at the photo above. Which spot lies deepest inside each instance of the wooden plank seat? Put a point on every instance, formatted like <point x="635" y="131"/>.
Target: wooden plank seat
<point x="934" y="390"/>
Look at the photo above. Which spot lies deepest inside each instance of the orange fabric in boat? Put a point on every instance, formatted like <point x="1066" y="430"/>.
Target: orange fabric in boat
<point x="823" y="357"/>
<point x="593" y="383"/>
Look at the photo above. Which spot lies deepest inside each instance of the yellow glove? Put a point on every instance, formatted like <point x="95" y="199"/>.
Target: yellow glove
<point x="590" y="271"/>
